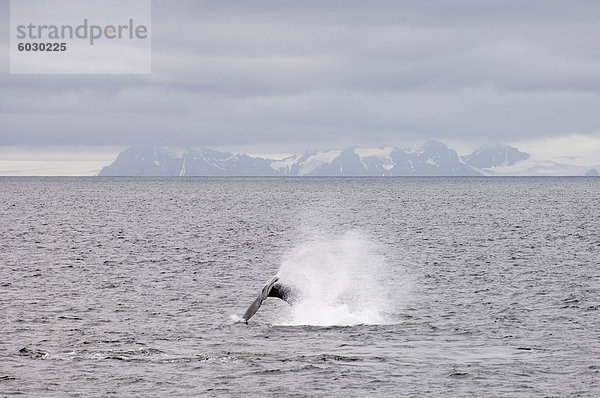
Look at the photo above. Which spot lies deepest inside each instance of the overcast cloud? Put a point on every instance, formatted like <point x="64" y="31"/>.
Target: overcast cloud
<point x="289" y="75"/>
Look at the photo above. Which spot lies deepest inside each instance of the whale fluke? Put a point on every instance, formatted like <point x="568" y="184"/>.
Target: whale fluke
<point x="272" y="289"/>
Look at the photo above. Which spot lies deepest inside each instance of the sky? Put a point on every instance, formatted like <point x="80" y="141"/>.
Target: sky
<point x="280" y="77"/>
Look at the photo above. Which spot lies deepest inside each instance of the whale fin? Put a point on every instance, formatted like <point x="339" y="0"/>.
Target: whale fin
<point x="284" y="293"/>
<point x="259" y="300"/>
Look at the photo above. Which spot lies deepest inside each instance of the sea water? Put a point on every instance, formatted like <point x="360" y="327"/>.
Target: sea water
<point x="409" y="286"/>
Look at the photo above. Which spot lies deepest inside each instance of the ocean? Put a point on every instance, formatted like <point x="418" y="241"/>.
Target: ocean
<point x="457" y="287"/>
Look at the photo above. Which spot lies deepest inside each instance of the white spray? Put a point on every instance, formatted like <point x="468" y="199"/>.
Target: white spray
<point x="341" y="281"/>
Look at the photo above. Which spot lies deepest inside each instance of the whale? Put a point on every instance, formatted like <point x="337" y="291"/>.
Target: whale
<point x="271" y="289"/>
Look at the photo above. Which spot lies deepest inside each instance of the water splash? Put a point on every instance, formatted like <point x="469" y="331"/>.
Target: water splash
<point x="236" y="319"/>
<point x="342" y="281"/>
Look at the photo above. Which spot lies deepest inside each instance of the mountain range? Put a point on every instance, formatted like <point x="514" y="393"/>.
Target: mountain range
<point x="432" y="159"/>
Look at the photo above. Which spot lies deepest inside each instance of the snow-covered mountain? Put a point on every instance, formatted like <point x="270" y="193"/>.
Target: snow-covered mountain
<point x="504" y="160"/>
<point x="433" y="159"/>
<point x="592" y="173"/>
<point x="539" y="167"/>
<point x="497" y="155"/>
<point x="170" y="161"/>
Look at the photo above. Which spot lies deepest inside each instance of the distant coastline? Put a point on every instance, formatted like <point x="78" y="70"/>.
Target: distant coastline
<point x="432" y="159"/>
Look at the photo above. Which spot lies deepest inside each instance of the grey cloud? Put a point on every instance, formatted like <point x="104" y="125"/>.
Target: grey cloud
<point x="330" y="73"/>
